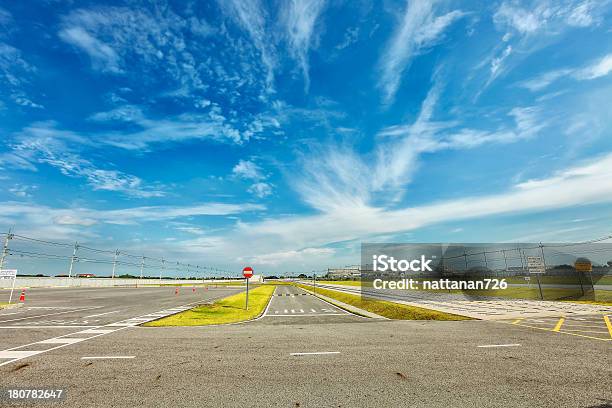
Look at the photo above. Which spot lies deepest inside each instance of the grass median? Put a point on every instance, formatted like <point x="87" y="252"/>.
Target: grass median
<point x="386" y="309"/>
<point x="227" y="310"/>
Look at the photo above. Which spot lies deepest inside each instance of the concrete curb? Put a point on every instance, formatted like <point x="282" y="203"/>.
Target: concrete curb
<point x="346" y="306"/>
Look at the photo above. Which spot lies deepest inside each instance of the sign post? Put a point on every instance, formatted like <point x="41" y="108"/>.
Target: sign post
<point x="535" y="265"/>
<point x="9" y="274"/>
<point x="585" y="266"/>
<point x="247" y="272"/>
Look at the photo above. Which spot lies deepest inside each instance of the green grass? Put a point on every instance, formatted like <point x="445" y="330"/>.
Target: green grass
<point x="3" y="305"/>
<point x="389" y="310"/>
<point x="227" y="310"/>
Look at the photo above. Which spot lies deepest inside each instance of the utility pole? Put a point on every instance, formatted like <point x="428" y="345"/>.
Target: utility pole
<point x="538" y="275"/>
<point x="314" y="282"/>
<point x="115" y="263"/>
<point x="5" y="252"/>
<point x="142" y="266"/>
<point x="73" y="260"/>
<point x="505" y="259"/>
<point x="5" y="248"/>
<point x="163" y="269"/>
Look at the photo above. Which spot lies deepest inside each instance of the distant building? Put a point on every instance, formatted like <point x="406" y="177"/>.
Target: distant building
<point x="256" y="279"/>
<point x="351" y="272"/>
<point x="86" y="275"/>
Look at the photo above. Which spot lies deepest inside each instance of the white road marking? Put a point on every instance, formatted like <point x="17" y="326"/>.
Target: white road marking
<point x="105" y="357"/>
<point x="45" y="327"/>
<point x="313" y="311"/>
<point x="301" y="310"/>
<point x="314" y="353"/>
<point x="500" y="345"/>
<point x="17" y="354"/>
<point x="62" y="340"/>
<point x="101" y="314"/>
<point x="49" y="314"/>
<point x="308" y="314"/>
<point x="286" y="311"/>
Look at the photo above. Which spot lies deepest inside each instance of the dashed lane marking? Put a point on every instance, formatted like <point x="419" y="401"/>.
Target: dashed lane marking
<point x="499" y="345"/>
<point x="49" y="314"/>
<point x="101" y="314"/>
<point x="314" y="353"/>
<point x="18" y="353"/>
<point x="307" y="314"/>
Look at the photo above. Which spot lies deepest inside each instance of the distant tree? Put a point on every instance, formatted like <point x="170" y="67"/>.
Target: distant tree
<point x="302" y="276"/>
<point x="610" y="264"/>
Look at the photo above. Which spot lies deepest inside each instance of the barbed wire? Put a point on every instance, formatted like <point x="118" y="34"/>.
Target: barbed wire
<point x="162" y="263"/>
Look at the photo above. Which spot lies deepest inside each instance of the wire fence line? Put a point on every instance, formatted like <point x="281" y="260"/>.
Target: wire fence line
<point x="20" y="246"/>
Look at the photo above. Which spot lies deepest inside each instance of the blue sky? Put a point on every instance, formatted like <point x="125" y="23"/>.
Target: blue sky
<point x="283" y="134"/>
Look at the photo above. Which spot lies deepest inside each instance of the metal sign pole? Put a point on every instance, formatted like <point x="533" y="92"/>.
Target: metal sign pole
<point x="539" y="286"/>
<point x="247" y="294"/>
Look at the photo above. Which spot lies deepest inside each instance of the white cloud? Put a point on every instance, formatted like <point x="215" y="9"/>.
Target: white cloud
<point x="299" y="19"/>
<point x="419" y="30"/>
<point x="261" y="190"/>
<point x="43" y="143"/>
<point x="542" y="81"/>
<point x="247" y="169"/>
<point x="103" y="57"/>
<point x="38" y="215"/>
<point x="576" y="186"/>
<point x="597" y="69"/>
<point x="251" y="16"/>
<point x="300" y="257"/>
<point x="593" y="70"/>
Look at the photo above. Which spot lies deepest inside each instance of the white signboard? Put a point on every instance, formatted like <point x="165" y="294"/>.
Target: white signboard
<point x="8" y="273"/>
<point x="535" y="264"/>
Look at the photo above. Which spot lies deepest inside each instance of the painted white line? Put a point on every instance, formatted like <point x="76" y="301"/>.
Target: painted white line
<point x="49" y="314"/>
<point x="62" y="340"/>
<point x="265" y="313"/>
<point x="313" y="311"/>
<point x="314" y="353"/>
<point x="97" y="331"/>
<point x="106" y="357"/>
<point x="499" y="345"/>
<point x="309" y="314"/>
<point x="18" y="353"/>
<point x="45" y="327"/>
<point x="101" y="314"/>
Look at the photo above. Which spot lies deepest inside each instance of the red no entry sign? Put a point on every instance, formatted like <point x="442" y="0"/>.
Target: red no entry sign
<point x="247" y="272"/>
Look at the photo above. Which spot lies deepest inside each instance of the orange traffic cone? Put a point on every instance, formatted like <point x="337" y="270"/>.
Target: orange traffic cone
<point x="176" y="291"/>
<point x="22" y="296"/>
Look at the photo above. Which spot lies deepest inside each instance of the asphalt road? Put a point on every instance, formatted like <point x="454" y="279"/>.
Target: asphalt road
<point x="334" y="360"/>
<point x="49" y="312"/>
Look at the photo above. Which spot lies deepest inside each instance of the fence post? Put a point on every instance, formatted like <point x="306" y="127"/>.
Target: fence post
<point x="142" y="266"/>
<point x="115" y="263"/>
<point x="72" y="260"/>
<point x="162" y="270"/>
<point x="5" y="248"/>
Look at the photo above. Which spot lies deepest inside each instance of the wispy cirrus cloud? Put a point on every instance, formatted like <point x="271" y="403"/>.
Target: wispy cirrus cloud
<point x="251" y="16"/>
<point x="42" y="143"/>
<point x="419" y="29"/>
<point x="335" y="178"/>
<point x="299" y="20"/>
<point x="528" y="28"/>
<point x="595" y="69"/>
